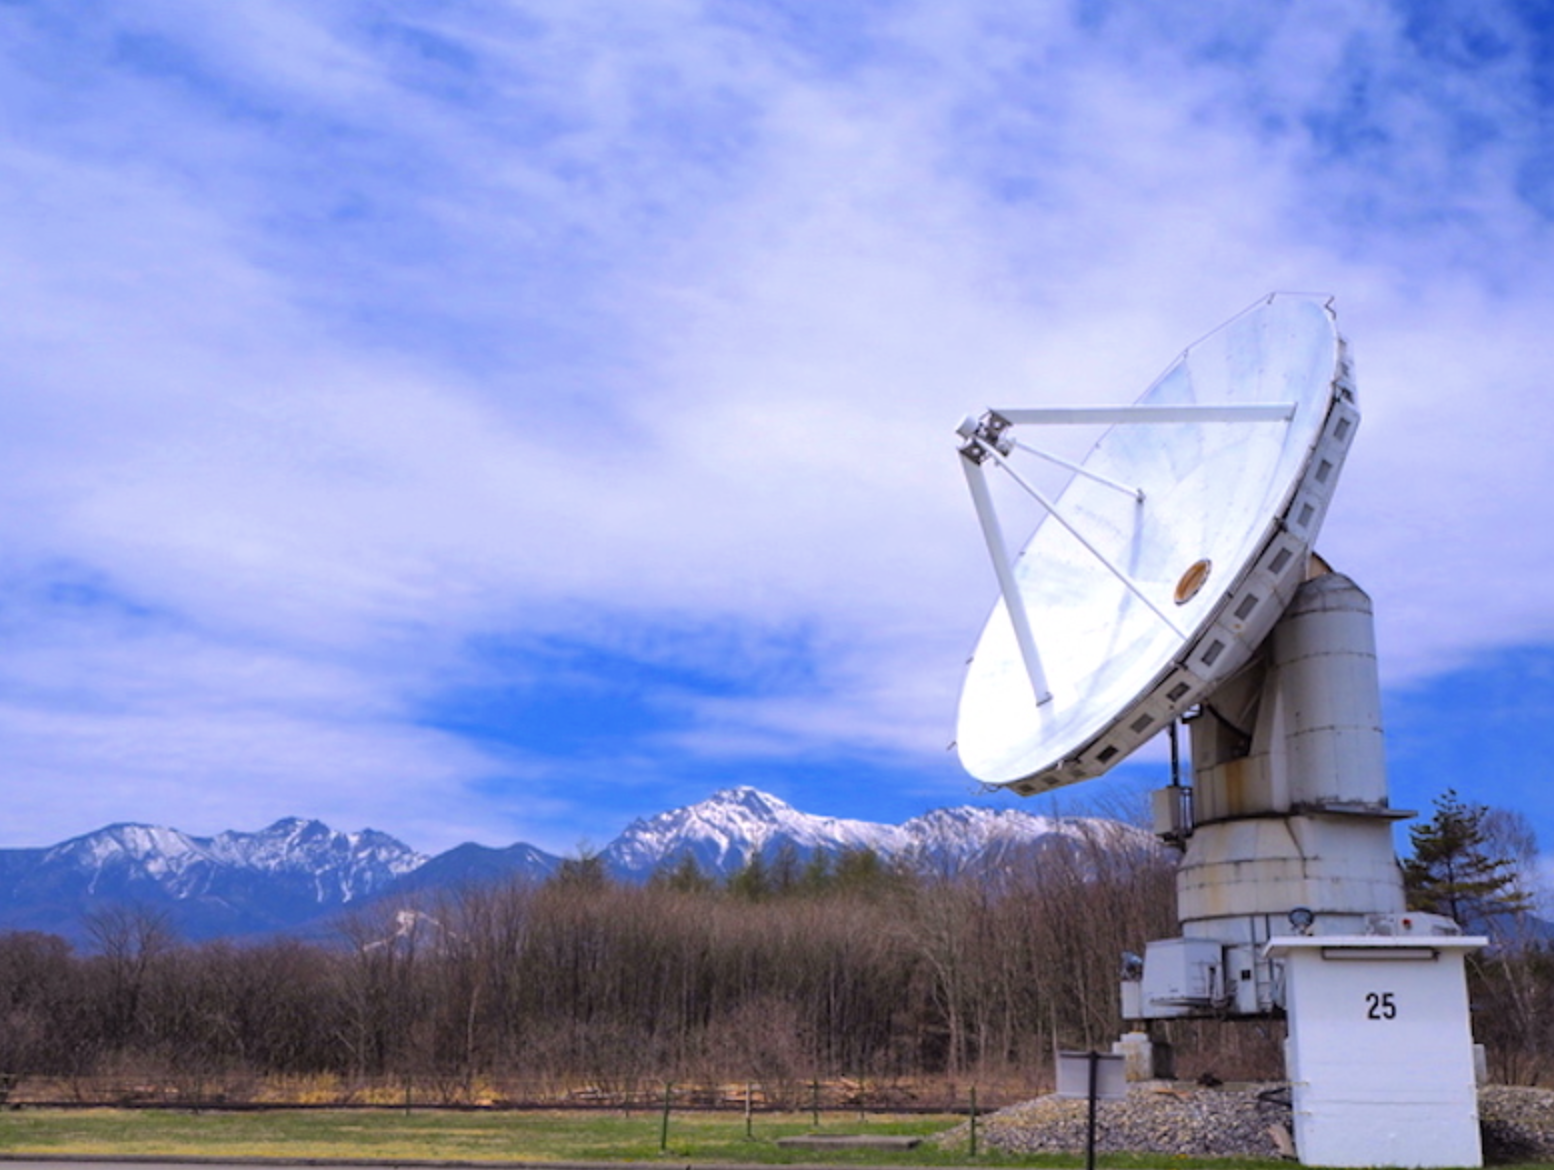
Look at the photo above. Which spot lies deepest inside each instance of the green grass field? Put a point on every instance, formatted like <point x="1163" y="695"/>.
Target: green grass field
<point x="538" y="1136"/>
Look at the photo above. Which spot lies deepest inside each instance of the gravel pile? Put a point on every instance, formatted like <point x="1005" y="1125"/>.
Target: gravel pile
<point x="1517" y="1124"/>
<point x="1155" y="1118"/>
<point x="1230" y="1120"/>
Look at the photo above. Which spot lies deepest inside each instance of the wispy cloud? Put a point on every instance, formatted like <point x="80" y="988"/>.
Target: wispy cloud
<point x="344" y="344"/>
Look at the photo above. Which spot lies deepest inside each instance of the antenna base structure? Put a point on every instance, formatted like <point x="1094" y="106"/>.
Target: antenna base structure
<point x="1291" y="901"/>
<point x="1174" y="576"/>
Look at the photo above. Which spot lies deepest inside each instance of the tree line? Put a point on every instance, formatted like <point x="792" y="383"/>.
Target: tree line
<point x="789" y="973"/>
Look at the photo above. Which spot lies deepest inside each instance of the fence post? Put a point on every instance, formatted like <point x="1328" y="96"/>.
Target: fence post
<point x="973" y="1121"/>
<point x="1095" y="1064"/>
<point x="663" y="1128"/>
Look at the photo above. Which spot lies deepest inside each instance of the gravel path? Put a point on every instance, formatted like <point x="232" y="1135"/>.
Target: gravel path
<point x="1231" y="1120"/>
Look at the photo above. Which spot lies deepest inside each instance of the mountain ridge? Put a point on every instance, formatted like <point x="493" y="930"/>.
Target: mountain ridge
<point x="298" y="873"/>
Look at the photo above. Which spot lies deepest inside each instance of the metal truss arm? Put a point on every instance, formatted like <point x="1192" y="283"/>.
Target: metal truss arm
<point x="971" y="463"/>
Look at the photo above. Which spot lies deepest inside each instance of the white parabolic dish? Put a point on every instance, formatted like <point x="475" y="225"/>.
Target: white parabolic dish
<point x="1243" y="498"/>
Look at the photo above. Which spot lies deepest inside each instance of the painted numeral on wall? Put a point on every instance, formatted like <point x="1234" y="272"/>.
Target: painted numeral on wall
<point x="1379" y="1005"/>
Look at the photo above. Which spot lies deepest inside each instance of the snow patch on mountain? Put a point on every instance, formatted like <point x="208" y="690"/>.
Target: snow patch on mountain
<point x="723" y="833"/>
<point x="339" y="867"/>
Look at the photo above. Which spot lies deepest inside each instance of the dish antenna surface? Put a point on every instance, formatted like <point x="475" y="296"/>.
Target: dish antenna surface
<point x="1168" y="557"/>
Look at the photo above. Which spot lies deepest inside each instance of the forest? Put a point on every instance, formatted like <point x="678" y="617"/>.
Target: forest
<point x="884" y="982"/>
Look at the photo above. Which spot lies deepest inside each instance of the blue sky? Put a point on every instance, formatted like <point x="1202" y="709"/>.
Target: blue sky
<point x="496" y="421"/>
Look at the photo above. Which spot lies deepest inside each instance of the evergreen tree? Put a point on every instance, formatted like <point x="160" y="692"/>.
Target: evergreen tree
<point x="585" y="871"/>
<point x="684" y="876"/>
<point x="753" y="880"/>
<point x="863" y="871"/>
<point x="1456" y="871"/>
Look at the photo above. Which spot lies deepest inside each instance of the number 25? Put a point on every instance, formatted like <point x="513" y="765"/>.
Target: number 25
<point x="1380" y="1006"/>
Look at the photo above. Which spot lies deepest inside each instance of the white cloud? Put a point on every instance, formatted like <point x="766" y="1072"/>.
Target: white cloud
<point x="340" y="341"/>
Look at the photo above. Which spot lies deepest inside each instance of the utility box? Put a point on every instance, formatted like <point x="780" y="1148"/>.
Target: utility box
<point x="1380" y="1054"/>
<point x="1171" y="810"/>
<point x="1248" y="994"/>
<point x="1182" y="977"/>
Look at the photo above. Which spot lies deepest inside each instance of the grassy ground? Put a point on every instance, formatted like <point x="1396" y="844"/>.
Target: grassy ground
<point x="498" y="1137"/>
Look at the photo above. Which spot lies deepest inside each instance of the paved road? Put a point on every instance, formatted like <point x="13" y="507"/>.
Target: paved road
<point x="155" y="1162"/>
<point x="146" y="1162"/>
<point x="142" y="1162"/>
<point x="34" y="1162"/>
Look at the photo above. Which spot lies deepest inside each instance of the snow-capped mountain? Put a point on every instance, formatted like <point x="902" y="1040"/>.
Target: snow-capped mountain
<point x="230" y="883"/>
<point x="337" y="867"/>
<point x="297" y="873"/>
<point x="723" y="833"/>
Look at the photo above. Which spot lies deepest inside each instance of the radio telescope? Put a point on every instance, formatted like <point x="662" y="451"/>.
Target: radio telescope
<point x="1174" y="577"/>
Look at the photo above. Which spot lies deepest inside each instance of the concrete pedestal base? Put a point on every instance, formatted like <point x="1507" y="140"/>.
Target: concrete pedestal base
<point x="1379" y="1055"/>
<point x="1144" y="1057"/>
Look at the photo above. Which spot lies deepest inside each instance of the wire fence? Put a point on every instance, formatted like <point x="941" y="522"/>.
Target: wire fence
<point x="820" y="1097"/>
